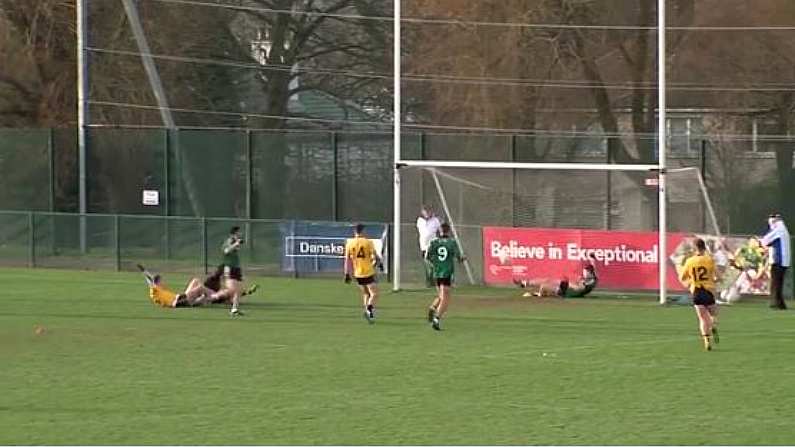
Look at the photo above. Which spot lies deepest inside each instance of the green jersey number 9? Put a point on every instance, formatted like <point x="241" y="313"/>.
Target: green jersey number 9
<point x="441" y="253"/>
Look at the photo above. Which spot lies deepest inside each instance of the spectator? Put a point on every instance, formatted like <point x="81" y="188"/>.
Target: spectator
<point x="427" y="228"/>
<point x="777" y="240"/>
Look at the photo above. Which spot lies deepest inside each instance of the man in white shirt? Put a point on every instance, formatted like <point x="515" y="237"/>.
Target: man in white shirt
<point x="427" y="228"/>
<point x="777" y="240"/>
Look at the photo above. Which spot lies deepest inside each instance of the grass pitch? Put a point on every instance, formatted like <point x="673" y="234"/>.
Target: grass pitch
<point x="303" y="367"/>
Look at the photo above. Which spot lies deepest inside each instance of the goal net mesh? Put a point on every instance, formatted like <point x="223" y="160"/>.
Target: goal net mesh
<point x="471" y="199"/>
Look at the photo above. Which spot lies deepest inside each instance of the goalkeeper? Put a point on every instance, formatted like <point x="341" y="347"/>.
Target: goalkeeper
<point x="564" y="289"/>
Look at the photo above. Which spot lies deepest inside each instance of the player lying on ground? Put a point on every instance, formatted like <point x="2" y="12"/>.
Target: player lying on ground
<point x="209" y="291"/>
<point x="160" y="294"/>
<point x="699" y="273"/>
<point x="441" y="255"/>
<point x="196" y="292"/>
<point x="563" y="288"/>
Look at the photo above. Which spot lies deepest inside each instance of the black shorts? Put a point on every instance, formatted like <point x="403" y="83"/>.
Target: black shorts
<point x="703" y="297"/>
<point x="233" y="272"/>
<point x="365" y="281"/>
<point x="444" y="282"/>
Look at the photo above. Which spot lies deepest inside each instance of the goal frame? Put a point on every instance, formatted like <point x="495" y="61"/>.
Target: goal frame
<point x="660" y="167"/>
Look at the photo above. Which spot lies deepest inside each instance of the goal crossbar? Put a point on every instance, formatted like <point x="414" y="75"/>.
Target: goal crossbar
<point x="521" y="165"/>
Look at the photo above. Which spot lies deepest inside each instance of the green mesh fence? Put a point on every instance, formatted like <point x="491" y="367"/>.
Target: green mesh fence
<point x="293" y="175"/>
<point x="207" y="173"/>
<point x="347" y="176"/>
<point x="123" y="163"/>
<point x="25" y="170"/>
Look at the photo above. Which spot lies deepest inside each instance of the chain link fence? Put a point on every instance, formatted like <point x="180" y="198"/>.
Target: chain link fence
<point x="347" y="176"/>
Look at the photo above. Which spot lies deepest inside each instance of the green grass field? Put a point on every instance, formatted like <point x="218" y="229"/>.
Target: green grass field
<point x="303" y="367"/>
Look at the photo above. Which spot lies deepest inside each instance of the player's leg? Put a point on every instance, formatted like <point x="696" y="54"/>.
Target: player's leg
<point x="250" y="291"/>
<point x="193" y="291"/>
<point x="234" y="282"/>
<point x="704" y="325"/>
<point x="713" y="313"/>
<point x="365" y="299"/>
<point x="434" y="306"/>
<point x="444" y="302"/>
<point x="372" y="301"/>
<point x="235" y="291"/>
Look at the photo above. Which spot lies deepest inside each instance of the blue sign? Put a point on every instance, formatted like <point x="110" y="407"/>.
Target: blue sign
<point x="319" y="247"/>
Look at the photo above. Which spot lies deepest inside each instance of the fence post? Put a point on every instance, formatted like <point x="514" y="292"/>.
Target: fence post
<point x="51" y="156"/>
<point x="608" y="190"/>
<point x="249" y="174"/>
<point x="167" y="194"/>
<point x="334" y="178"/>
<point x="204" y="242"/>
<point x="513" y="180"/>
<point x="31" y="241"/>
<point x="51" y="167"/>
<point x="117" y="241"/>
<point x="249" y="192"/>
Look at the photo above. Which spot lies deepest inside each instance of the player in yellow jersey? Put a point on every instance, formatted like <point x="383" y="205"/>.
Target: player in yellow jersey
<point x="699" y="274"/>
<point x="160" y="294"/>
<point x="361" y="259"/>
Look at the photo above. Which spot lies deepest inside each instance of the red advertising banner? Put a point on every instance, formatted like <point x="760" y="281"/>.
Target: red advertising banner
<point x="624" y="259"/>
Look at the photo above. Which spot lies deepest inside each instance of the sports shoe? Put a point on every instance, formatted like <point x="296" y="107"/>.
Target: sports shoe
<point x="250" y="290"/>
<point x="431" y="314"/>
<point x="436" y="324"/>
<point x="367" y="316"/>
<point x="235" y="312"/>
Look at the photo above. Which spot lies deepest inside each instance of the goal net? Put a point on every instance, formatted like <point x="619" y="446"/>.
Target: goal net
<point x="539" y="223"/>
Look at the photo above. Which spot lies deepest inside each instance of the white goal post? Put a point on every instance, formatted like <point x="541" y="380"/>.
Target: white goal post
<point x="660" y="167"/>
<point x="433" y="165"/>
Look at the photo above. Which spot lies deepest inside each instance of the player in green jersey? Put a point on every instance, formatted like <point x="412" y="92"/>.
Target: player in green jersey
<point x="233" y="274"/>
<point x="442" y="253"/>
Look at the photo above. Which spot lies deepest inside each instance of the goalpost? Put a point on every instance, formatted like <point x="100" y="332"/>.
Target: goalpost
<point x="660" y="167"/>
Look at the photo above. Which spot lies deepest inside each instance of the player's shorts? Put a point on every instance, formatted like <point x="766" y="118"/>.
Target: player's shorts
<point x="703" y="297"/>
<point x="233" y="272"/>
<point x="366" y="281"/>
<point x="444" y="281"/>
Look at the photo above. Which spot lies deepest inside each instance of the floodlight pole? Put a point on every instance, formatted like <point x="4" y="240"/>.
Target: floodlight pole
<point x="82" y="114"/>
<point x="396" y="118"/>
<point x="662" y="151"/>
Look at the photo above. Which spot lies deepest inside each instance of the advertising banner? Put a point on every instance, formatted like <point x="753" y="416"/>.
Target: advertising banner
<point x="319" y="247"/>
<point x="623" y="259"/>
